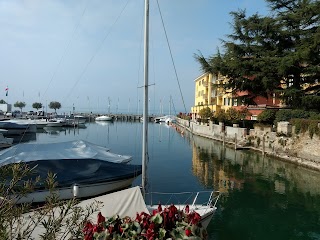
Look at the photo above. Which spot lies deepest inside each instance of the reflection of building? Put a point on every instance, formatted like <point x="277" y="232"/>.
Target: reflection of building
<point x="211" y="174"/>
<point x="225" y="169"/>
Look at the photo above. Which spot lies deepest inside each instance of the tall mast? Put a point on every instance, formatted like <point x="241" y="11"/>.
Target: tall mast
<point x="145" y="99"/>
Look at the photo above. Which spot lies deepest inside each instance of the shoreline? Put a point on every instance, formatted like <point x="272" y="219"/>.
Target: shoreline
<point x="306" y="163"/>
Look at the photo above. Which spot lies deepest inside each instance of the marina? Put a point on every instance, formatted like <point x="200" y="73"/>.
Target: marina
<point x="276" y="199"/>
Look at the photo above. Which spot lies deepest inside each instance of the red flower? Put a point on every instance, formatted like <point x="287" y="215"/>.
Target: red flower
<point x="88" y="231"/>
<point x="187" y="209"/>
<point x="159" y="208"/>
<point x="188" y="232"/>
<point x="110" y="229"/>
<point x="101" y="218"/>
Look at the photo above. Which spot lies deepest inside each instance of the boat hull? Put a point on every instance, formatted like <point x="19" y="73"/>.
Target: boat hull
<point x="79" y="178"/>
<point x="83" y="191"/>
<point x="103" y="118"/>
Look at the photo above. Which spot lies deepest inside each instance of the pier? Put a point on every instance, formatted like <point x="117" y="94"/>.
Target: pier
<point x="119" y="117"/>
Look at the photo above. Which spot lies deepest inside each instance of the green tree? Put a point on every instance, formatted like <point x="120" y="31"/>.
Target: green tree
<point x="220" y="115"/>
<point x="235" y="115"/>
<point x="54" y="105"/>
<point x="280" y="54"/>
<point x="19" y="105"/>
<point x="37" y="105"/>
<point x="2" y="101"/>
<point x="267" y="116"/>
<point x="205" y="113"/>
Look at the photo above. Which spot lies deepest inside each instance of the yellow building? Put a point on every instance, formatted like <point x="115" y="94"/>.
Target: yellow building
<point x="209" y="92"/>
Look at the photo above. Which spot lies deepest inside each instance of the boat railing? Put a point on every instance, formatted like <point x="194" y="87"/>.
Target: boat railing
<point x="203" y="198"/>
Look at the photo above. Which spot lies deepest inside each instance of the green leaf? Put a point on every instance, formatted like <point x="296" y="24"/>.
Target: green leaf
<point x="157" y="218"/>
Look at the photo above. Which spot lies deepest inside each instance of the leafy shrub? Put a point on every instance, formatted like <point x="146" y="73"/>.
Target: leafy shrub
<point x="311" y="103"/>
<point x="169" y="223"/>
<point x="15" y="182"/>
<point x="304" y="125"/>
<point x="267" y="116"/>
<point x="205" y="114"/>
<point x="220" y="115"/>
<point x="288" y="114"/>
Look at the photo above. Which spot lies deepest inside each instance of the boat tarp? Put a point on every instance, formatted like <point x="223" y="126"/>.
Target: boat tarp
<point x="79" y="149"/>
<point x="83" y="172"/>
<point x="124" y="203"/>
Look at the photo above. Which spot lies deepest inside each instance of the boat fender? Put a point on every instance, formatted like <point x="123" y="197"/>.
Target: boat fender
<point x="75" y="190"/>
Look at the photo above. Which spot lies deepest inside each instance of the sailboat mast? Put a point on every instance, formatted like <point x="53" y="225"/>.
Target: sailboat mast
<point x="145" y="100"/>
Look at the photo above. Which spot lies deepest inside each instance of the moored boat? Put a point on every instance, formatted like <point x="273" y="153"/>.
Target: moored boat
<point x="82" y="169"/>
<point x="104" y="118"/>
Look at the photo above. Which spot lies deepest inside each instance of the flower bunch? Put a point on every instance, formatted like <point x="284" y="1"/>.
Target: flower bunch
<point x="161" y="224"/>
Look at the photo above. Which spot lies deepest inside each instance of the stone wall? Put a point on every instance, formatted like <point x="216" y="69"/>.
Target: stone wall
<point x="281" y="142"/>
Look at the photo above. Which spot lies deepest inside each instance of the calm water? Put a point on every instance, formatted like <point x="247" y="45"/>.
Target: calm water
<point x="262" y="198"/>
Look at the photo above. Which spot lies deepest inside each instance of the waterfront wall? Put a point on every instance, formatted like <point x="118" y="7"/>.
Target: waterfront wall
<point x="281" y="142"/>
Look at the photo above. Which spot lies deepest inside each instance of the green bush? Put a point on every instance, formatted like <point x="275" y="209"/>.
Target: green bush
<point x="304" y="125"/>
<point x="288" y="114"/>
<point x="311" y="103"/>
<point x="267" y="116"/>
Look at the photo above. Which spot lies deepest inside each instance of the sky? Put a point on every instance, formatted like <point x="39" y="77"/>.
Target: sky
<point x="88" y="54"/>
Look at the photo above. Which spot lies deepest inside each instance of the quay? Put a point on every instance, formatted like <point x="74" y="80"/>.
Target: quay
<point x="118" y="117"/>
<point x="90" y="117"/>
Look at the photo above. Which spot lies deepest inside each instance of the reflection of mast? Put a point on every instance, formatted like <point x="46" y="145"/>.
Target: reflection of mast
<point x="109" y="105"/>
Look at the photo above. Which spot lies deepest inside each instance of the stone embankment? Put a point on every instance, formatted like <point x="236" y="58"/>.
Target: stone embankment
<point x="281" y="142"/>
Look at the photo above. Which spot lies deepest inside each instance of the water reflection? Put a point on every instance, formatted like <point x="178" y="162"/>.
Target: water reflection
<point x="263" y="198"/>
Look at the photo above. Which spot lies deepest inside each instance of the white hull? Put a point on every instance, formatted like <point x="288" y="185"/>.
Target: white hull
<point x="83" y="191"/>
<point x="103" y="118"/>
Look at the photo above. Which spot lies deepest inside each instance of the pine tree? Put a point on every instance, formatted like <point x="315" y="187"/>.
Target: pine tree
<point x="267" y="54"/>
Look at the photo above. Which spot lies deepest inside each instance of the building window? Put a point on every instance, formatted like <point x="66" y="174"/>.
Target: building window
<point x="254" y="117"/>
<point x="235" y="102"/>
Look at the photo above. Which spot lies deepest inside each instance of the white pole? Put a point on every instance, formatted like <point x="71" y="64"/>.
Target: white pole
<point x="145" y="109"/>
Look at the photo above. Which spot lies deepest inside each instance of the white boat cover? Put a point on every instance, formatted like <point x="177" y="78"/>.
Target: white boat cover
<point x="79" y="149"/>
<point x="124" y="203"/>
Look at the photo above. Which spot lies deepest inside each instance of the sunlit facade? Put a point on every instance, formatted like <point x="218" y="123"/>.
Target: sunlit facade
<point x="209" y="92"/>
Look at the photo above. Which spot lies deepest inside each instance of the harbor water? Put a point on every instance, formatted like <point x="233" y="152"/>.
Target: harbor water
<point x="262" y="197"/>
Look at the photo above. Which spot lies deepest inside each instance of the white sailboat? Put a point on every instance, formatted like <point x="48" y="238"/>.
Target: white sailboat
<point x="137" y="203"/>
<point x="207" y="210"/>
<point x="131" y="201"/>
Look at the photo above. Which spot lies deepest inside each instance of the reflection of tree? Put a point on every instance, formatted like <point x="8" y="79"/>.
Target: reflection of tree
<point x="226" y="169"/>
<point x="262" y="198"/>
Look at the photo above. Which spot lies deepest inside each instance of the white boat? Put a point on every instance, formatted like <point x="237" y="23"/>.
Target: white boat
<point x="82" y="169"/>
<point x="104" y="118"/>
<point x="206" y="211"/>
<point x="17" y="127"/>
<point x="80" y="119"/>
<point x="56" y="122"/>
